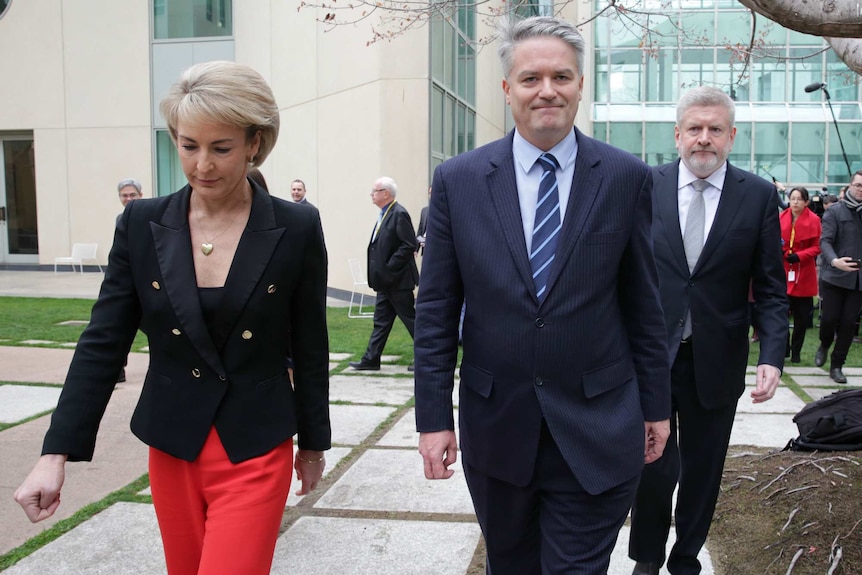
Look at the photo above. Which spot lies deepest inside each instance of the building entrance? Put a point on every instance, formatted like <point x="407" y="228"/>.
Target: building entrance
<point x="19" y="234"/>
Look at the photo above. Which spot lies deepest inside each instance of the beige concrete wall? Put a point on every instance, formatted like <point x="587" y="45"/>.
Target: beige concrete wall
<point x="350" y="112"/>
<point x="80" y="82"/>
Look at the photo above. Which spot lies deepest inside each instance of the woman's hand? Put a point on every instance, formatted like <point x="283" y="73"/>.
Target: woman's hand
<point x="39" y="495"/>
<point x="309" y="467"/>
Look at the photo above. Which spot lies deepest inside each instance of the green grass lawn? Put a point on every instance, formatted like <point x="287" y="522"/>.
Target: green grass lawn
<point x="23" y="318"/>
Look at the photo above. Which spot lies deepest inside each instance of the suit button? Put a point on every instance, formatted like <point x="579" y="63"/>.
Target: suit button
<point x="156" y="285"/>
<point x="196" y="372"/>
<point x="540" y="322"/>
<point x="681" y="322"/>
<point x="271" y="289"/>
<point x="539" y="382"/>
<point x="222" y="378"/>
<point x="690" y="283"/>
<point x="176" y="331"/>
<point x="246" y="334"/>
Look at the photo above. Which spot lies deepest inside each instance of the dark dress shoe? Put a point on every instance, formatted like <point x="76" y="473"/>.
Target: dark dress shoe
<point x="795" y="359"/>
<point x="820" y="356"/>
<point x="122" y="377"/>
<point x="363" y="366"/>
<point x="837" y="375"/>
<point x="646" y="568"/>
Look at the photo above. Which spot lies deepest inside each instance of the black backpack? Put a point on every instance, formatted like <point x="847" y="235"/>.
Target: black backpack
<point x="832" y="423"/>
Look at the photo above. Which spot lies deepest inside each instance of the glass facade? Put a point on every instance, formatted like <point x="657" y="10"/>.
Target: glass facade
<point x="643" y="63"/>
<point x="191" y="18"/>
<point x="453" y="84"/>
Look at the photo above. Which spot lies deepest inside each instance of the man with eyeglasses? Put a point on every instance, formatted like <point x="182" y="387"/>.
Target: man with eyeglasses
<point x="392" y="271"/>
<point x="128" y="190"/>
<point x="840" y="278"/>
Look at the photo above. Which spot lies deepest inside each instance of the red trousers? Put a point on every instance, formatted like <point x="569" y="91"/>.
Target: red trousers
<point x="218" y="517"/>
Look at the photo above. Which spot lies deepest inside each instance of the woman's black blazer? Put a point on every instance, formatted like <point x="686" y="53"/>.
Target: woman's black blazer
<point x="275" y="301"/>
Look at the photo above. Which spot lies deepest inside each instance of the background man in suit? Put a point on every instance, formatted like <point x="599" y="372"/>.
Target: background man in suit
<point x="565" y="375"/>
<point x="392" y="271"/>
<point x="841" y="278"/>
<point x="297" y="192"/>
<point x="128" y="190"/>
<point x="423" y="223"/>
<point x="715" y="231"/>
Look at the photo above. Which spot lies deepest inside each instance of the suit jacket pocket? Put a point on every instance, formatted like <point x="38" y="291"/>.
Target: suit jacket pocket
<point x="607" y="377"/>
<point x="479" y="380"/>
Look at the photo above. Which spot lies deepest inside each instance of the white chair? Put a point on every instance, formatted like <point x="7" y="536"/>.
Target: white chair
<point x="80" y="254"/>
<point x="359" y="282"/>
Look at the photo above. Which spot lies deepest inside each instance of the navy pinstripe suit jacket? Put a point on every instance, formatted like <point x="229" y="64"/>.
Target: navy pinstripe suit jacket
<point x="591" y="359"/>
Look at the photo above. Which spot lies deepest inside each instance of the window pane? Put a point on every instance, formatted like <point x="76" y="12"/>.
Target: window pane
<point x="660" y="144"/>
<point x="627" y="136"/>
<point x="770" y="149"/>
<point x="169" y="172"/>
<point x="740" y="156"/>
<point x="192" y="18"/>
<point x="625" y="76"/>
<point x="436" y="118"/>
<point x="808" y="152"/>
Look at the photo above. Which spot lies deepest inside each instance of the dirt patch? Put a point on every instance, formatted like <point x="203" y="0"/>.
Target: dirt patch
<point x="778" y="510"/>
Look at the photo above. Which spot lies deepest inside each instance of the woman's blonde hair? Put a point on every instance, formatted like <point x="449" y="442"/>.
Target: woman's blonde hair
<point x="227" y="93"/>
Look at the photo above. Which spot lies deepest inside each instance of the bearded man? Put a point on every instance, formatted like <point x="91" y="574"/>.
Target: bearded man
<point x="715" y="232"/>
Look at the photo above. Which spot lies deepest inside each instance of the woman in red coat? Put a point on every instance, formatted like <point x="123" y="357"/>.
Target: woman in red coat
<point x="800" y="240"/>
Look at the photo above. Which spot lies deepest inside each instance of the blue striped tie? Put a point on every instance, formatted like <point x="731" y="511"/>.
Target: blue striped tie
<point x="546" y="226"/>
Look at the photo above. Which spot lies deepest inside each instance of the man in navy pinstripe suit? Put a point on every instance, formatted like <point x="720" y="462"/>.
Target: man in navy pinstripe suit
<point x="565" y="387"/>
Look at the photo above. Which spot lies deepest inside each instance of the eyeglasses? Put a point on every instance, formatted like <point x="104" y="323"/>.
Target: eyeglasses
<point x="378" y="191"/>
<point x="857" y="185"/>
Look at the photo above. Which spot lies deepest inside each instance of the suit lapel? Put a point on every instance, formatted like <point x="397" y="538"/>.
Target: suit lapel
<point x="253" y="253"/>
<point x="503" y="190"/>
<point x="667" y="208"/>
<point x="172" y="241"/>
<point x="728" y="205"/>
<point x="585" y="186"/>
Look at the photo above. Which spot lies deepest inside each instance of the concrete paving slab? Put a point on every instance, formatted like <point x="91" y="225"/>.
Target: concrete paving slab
<point x="37" y="342"/>
<point x="327" y="545"/>
<point x="819" y="380"/>
<point x="50" y="284"/>
<point x="794" y="371"/>
<point x="384" y="370"/>
<point x="339" y="356"/>
<point x="763" y="430"/>
<point x="333" y="458"/>
<point x="750" y="379"/>
<point x="351" y="424"/>
<point x="370" y="389"/>
<point x="122" y="539"/>
<point x="18" y="402"/>
<point x="73" y="322"/>
<point x="69" y="344"/>
<point x="404" y="434"/>
<point x="368" y="485"/>
<point x="332" y="366"/>
<point x="818" y="392"/>
<point x="784" y="401"/>
<point x="852" y="370"/>
<point x="622" y="565"/>
<point x="389" y="358"/>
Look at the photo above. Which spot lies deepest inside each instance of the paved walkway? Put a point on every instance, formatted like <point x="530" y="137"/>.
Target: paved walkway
<point x="374" y="512"/>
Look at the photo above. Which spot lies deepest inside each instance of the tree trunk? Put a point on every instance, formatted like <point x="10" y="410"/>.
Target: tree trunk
<point x="849" y="50"/>
<point x="839" y="21"/>
<point x="832" y="18"/>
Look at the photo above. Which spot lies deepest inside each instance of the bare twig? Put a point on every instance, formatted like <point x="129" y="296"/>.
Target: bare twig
<point x="836" y="558"/>
<point x="802" y="489"/>
<point x="855" y="525"/>
<point x="776" y="492"/>
<point x="789" y="519"/>
<point x="796" y="557"/>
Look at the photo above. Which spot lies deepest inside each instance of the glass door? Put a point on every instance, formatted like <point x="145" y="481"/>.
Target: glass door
<point x="19" y="235"/>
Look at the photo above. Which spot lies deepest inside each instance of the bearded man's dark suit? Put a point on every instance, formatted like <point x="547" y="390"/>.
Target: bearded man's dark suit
<point x="393" y="274"/>
<point x="743" y="247"/>
<point x="586" y="366"/>
<point x="274" y="299"/>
